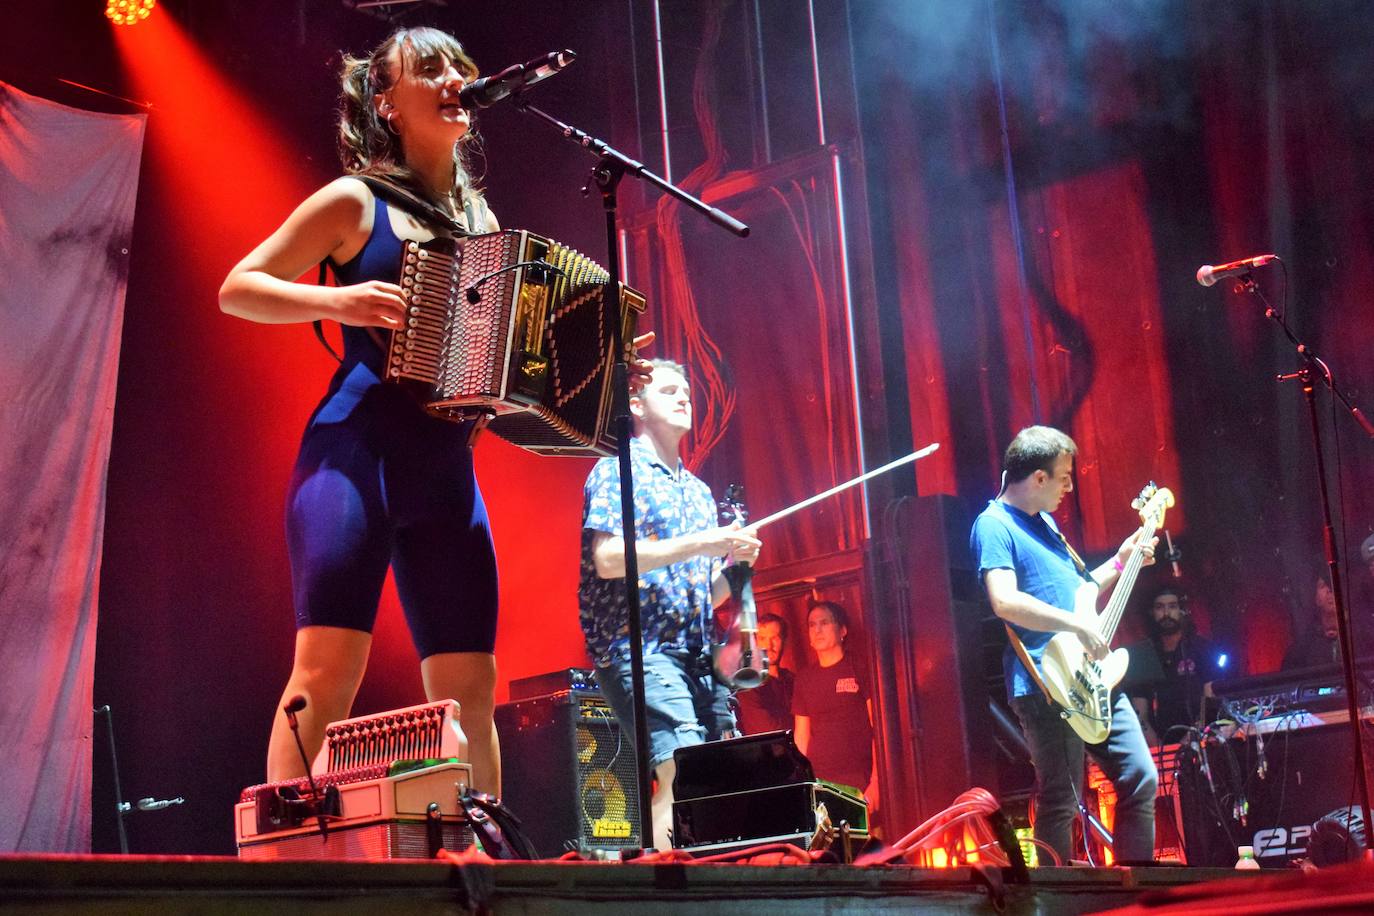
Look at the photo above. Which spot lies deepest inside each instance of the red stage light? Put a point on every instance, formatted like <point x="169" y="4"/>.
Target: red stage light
<point x="128" y="12"/>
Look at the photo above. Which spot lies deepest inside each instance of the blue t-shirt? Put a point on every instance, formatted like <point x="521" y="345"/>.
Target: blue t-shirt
<point x="674" y="600"/>
<point x="1004" y="537"/>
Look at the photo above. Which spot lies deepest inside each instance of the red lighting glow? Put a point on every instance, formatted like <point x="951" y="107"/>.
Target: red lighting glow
<point x="128" y="12"/>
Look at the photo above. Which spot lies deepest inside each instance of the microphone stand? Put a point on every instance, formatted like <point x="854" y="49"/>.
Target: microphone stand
<point x="1315" y="368"/>
<point x="321" y="816"/>
<point x="611" y="166"/>
<point x="121" y="806"/>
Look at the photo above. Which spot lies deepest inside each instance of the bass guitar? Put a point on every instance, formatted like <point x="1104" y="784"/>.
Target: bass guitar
<point x="1080" y="685"/>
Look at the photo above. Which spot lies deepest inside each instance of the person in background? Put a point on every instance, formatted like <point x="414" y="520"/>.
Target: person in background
<point x="1320" y="643"/>
<point x="832" y="709"/>
<point x="1362" y="595"/>
<point x="1170" y="672"/>
<point x="769" y="707"/>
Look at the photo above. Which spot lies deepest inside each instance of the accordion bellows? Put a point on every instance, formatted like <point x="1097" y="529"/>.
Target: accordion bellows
<point x="511" y="328"/>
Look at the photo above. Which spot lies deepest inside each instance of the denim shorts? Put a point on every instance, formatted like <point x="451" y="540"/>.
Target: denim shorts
<point x="684" y="703"/>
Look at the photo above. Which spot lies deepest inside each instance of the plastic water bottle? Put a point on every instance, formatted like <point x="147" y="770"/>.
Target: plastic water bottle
<point x="1247" y="861"/>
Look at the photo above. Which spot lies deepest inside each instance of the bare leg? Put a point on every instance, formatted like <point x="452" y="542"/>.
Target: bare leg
<point x="470" y="678"/>
<point x="661" y="804"/>
<point x="328" y="668"/>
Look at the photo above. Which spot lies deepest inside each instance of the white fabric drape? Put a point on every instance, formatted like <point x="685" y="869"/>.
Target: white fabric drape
<point x="68" y="180"/>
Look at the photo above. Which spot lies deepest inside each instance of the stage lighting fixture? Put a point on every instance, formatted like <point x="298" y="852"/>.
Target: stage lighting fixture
<point x="392" y="11"/>
<point x="128" y="12"/>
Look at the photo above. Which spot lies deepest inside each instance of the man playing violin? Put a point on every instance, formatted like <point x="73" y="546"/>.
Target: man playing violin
<point x="682" y="553"/>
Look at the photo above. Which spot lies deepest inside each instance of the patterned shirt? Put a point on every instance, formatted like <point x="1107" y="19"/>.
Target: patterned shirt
<point x="674" y="600"/>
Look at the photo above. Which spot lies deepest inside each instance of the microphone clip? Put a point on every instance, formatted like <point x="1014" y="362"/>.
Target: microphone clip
<point x="285" y="807"/>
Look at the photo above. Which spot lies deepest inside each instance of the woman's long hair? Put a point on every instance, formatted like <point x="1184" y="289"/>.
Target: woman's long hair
<point x="366" y="145"/>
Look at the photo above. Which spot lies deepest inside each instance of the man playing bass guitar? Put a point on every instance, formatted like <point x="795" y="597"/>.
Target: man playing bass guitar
<point x="682" y="554"/>
<point x="1040" y="587"/>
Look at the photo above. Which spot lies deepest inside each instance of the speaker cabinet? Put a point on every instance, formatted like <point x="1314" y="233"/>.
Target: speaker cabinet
<point x="1267" y="796"/>
<point x="568" y="772"/>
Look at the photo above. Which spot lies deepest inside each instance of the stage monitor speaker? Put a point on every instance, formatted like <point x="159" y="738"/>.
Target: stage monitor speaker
<point x="568" y="773"/>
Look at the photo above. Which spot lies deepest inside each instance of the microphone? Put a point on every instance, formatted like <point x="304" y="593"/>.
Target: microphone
<point x="294" y="705"/>
<point x="152" y="804"/>
<point x="489" y="90"/>
<point x="1209" y="274"/>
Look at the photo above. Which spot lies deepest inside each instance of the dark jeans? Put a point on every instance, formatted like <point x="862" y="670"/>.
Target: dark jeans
<point x="1057" y="752"/>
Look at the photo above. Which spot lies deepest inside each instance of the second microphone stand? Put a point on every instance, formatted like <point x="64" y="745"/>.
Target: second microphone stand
<point x="612" y="166"/>
<point x="1312" y="370"/>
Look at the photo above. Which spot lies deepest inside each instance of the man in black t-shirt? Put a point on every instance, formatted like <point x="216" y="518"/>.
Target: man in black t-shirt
<point x="832" y="712"/>
<point x="768" y="708"/>
<point x="1171" y="672"/>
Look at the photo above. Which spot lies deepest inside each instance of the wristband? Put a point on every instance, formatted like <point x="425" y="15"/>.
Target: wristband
<point x="1116" y="564"/>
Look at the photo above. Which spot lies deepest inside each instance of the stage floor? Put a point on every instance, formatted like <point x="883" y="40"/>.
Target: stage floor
<point x="215" y="885"/>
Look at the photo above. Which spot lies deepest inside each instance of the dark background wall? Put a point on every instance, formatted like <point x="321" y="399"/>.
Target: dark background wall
<point x="1027" y="190"/>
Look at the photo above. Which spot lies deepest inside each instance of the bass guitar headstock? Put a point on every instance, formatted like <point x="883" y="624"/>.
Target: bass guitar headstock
<point x="1152" y="503"/>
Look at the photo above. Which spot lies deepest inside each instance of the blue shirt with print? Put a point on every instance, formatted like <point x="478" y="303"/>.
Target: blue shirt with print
<point x="674" y="600"/>
<point x="1004" y="537"/>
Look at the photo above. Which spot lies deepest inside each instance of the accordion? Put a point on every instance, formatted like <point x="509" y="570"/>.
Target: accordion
<point x="510" y="329"/>
<point x="378" y="778"/>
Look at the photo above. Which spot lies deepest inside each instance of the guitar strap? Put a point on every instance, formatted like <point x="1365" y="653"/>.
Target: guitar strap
<point x="1078" y="563"/>
<point x="1028" y="662"/>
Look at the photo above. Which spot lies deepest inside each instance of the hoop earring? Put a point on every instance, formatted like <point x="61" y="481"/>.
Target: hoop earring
<point x="390" y="118"/>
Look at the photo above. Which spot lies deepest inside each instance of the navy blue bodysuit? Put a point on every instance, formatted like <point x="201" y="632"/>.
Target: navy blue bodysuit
<point x="379" y="482"/>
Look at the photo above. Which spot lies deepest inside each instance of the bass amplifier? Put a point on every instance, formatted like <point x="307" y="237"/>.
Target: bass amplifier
<point x="1265" y="790"/>
<point x="569" y="773"/>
